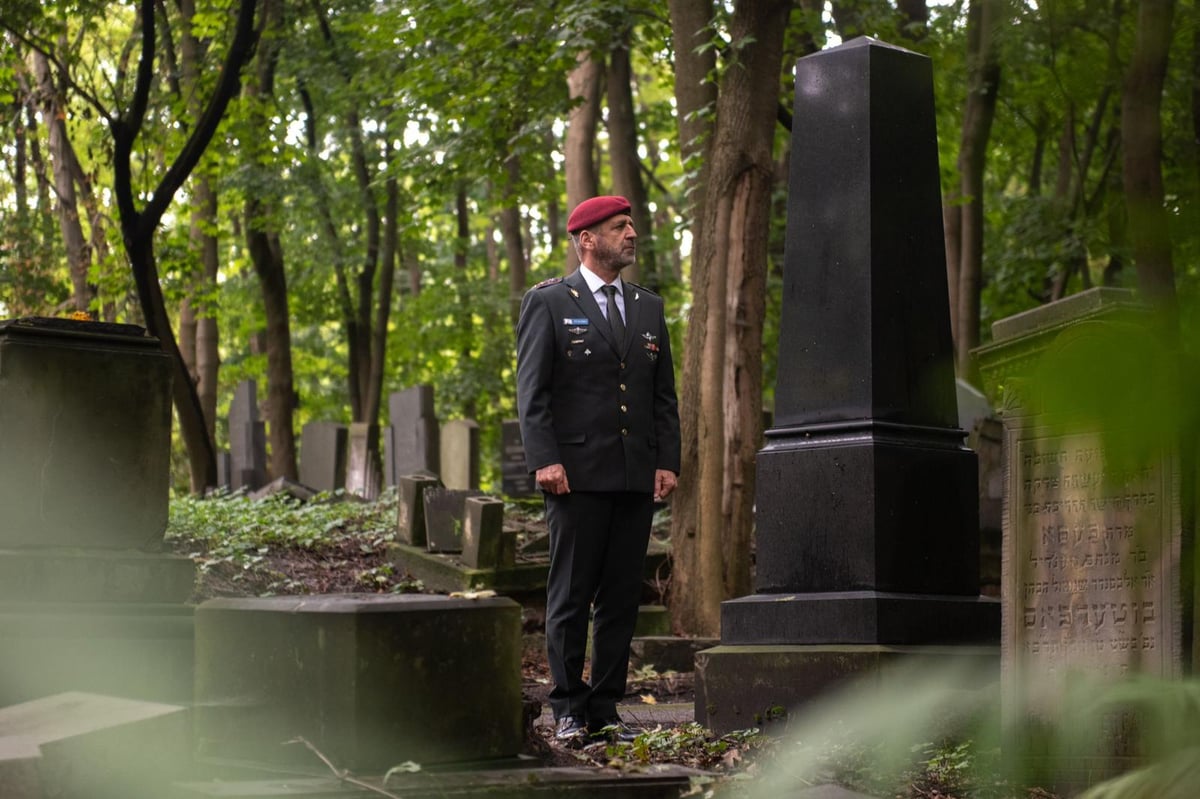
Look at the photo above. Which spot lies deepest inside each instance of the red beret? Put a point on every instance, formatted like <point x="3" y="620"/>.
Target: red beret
<point x="594" y="211"/>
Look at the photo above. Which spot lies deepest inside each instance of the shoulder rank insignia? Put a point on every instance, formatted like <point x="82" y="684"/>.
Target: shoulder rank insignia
<point x="548" y="282"/>
<point x="640" y="288"/>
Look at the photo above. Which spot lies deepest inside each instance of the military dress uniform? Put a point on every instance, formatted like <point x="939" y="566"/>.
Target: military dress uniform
<point x="609" y="415"/>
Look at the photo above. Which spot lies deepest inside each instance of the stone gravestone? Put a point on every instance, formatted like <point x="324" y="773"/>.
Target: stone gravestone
<point x="362" y="460"/>
<point x="323" y="455"/>
<point x="410" y="508"/>
<point x="445" y="513"/>
<point x="87" y="600"/>
<point x="486" y="544"/>
<point x="867" y="500"/>
<point x="1092" y="539"/>
<point x="516" y="481"/>
<point x="460" y="454"/>
<point x="411" y="438"/>
<point x="247" y="439"/>
<point x="369" y="681"/>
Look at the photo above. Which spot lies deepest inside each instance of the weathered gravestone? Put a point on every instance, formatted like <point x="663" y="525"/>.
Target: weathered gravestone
<point x="516" y="481"/>
<point x="247" y="439"/>
<point x="370" y="681"/>
<point x="76" y="745"/>
<point x="411" y="437"/>
<point x="486" y="544"/>
<point x="1092" y="584"/>
<point x="444" y="515"/>
<point x="866" y="500"/>
<point x="410" y="508"/>
<point x="323" y="455"/>
<point x="87" y="600"/>
<point x="362" y="460"/>
<point x="460" y="454"/>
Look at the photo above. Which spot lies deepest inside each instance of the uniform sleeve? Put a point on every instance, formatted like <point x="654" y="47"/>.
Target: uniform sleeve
<point x="535" y="373"/>
<point x="666" y="406"/>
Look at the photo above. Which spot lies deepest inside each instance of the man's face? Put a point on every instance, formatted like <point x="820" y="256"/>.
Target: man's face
<point x="615" y="242"/>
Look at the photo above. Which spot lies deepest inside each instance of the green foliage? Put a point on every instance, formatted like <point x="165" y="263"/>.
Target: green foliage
<point x="239" y="536"/>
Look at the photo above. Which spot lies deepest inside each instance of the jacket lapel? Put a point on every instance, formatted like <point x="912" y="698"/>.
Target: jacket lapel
<point x="633" y="315"/>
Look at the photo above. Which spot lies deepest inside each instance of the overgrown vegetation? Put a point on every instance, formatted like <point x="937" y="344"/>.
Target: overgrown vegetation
<point x="280" y="545"/>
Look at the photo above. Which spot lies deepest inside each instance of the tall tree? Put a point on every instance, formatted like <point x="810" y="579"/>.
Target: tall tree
<point x="1141" y="139"/>
<point x="721" y="403"/>
<point x="580" y="149"/>
<point x="198" y="333"/>
<point x="265" y="246"/>
<point x="965" y="234"/>
<point x="62" y="158"/>
<point x="138" y="225"/>
<point x="623" y="153"/>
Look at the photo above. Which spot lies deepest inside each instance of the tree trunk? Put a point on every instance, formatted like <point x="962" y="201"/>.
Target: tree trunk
<point x="383" y="307"/>
<point x="583" y="83"/>
<point x="978" y="113"/>
<point x="138" y="227"/>
<point x="510" y="229"/>
<point x="712" y="524"/>
<point x="695" y="92"/>
<point x="1141" y="136"/>
<point x="266" y="254"/>
<point x="78" y="253"/>
<point x="198" y="322"/>
<point x="626" y="165"/>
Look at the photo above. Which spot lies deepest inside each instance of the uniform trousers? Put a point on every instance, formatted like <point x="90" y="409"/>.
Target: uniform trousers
<point x="597" y="550"/>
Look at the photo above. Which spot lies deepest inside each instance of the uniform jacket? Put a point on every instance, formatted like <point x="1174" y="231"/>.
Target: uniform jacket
<point x="611" y="418"/>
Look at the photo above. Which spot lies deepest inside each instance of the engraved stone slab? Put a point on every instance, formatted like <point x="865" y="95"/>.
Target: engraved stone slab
<point x="486" y="544"/>
<point x="1093" y="556"/>
<point x="516" y="481"/>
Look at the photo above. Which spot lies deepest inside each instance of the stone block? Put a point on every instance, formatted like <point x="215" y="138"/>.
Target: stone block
<point x="486" y="544"/>
<point x="85" y="417"/>
<point x="323" y="455"/>
<point x="410" y="511"/>
<point x="72" y="575"/>
<point x="371" y="681"/>
<point x="88" y="746"/>
<point x="411" y="441"/>
<point x="653" y="620"/>
<point x="785" y="678"/>
<point x="362" y="461"/>
<point x="247" y="439"/>
<point x="445" y="513"/>
<point x="516" y="481"/>
<point x="136" y="650"/>
<point x="668" y="652"/>
<point x="460" y="454"/>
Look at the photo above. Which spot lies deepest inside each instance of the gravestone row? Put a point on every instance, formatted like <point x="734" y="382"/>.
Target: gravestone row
<point x="335" y="456"/>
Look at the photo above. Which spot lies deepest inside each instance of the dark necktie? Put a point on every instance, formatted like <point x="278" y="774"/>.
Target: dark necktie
<point x="614" y="315"/>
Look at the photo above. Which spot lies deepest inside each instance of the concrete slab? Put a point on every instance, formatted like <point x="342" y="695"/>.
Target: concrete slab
<point x="653" y="782"/>
<point x="76" y="745"/>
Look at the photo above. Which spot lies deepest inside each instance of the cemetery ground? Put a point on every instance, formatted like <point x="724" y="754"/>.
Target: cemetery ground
<point x="336" y="545"/>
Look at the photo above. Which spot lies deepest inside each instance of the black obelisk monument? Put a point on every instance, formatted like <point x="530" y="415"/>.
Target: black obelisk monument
<point x="867" y="499"/>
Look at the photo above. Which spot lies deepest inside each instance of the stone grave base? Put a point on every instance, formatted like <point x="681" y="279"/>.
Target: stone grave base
<point x="94" y="575"/>
<point x="369" y="680"/>
<point x="860" y="617"/>
<point x="668" y="652"/>
<point x="86" y="746"/>
<point x="652" y="782"/>
<point x="137" y="650"/>
<point x="785" y="677"/>
<point x="447" y="572"/>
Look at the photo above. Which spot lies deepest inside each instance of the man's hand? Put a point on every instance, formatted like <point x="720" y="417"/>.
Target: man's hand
<point x="664" y="484"/>
<point x="553" y="479"/>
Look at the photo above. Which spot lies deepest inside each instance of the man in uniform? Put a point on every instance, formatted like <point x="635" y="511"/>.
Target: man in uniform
<point x="600" y="425"/>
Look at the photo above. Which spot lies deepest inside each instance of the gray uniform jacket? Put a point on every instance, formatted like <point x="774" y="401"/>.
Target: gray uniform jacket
<point x="611" y="418"/>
